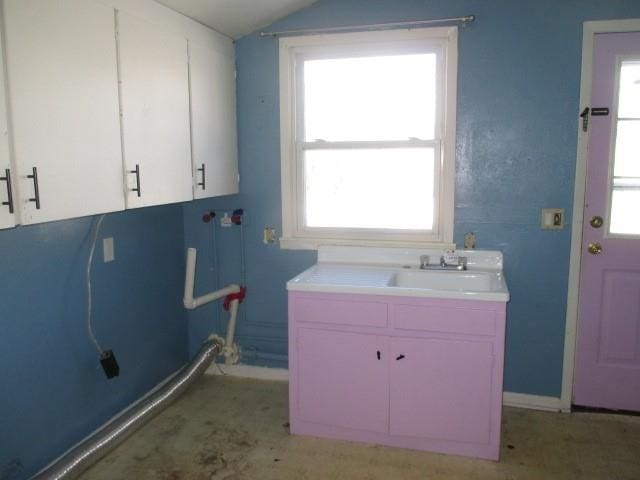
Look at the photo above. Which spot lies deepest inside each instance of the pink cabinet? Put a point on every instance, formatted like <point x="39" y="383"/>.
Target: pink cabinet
<point x="344" y="379"/>
<point x="416" y="373"/>
<point x="441" y="389"/>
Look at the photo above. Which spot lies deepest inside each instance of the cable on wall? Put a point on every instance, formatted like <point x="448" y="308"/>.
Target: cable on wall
<point x="107" y="358"/>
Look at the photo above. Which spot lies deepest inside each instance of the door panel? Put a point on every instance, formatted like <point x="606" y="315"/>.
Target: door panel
<point x="8" y="200"/>
<point x="342" y="380"/>
<point x="63" y="96"/>
<point x="607" y="373"/>
<point x="213" y="122"/>
<point x="619" y="325"/>
<point x="154" y="92"/>
<point x="441" y="389"/>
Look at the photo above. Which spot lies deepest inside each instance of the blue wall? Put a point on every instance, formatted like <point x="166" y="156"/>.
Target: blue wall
<point x="518" y="93"/>
<point x="53" y="389"/>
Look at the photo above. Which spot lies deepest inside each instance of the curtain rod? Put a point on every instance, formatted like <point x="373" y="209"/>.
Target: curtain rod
<point x="376" y="26"/>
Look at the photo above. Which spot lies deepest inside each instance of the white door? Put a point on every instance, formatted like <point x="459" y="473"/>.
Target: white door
<point x="213" y="122"/>
<point x="7" y="191"/>
<point x="63" y="96"/>
<point x="154" y="95"/>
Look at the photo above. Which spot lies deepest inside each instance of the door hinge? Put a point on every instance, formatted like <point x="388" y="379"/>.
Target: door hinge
<point x="595" y="112"/>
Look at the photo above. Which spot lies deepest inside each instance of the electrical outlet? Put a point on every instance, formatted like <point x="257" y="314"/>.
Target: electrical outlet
<point x="269" y="235"/>
<point x="225" y="221"/>
<point x="470" y="241"/>
<point x="552" y="219"/>
<point x="108" y="250"/>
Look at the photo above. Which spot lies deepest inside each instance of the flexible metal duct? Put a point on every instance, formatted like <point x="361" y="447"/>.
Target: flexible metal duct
<point x="114" y="432"/>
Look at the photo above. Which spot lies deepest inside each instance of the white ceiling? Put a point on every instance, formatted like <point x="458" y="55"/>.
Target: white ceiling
<point x="236" y="18"/>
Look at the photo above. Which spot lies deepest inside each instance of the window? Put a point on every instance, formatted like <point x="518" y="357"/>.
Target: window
<point x="368" y="138"/>
<point x="624" y="186"/>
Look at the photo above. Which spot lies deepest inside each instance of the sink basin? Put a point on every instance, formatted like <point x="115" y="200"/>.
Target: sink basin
<point x="443" y="280"/>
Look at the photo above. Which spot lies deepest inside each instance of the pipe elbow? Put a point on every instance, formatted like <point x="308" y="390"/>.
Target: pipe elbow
<point x="189" y="303"/>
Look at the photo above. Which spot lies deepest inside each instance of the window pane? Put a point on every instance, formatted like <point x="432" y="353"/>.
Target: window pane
<point x="629" y="102"/>
<point x="627" y="153"/>
<point x="624" y="211"/>
<point x="391" y="188"/>
<point x="370" y="98"/>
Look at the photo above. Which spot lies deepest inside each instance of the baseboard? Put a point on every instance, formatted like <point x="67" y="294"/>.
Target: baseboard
<point x="534" y="402"/>
<point x="249" y="371"/>
<point x="509" y="399"/>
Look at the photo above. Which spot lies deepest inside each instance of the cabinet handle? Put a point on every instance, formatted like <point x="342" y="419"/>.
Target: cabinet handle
<point x="7" y="178"/>
<point x="399" y="357"/>
<point x="378" y="352"/>
<point x="137" y="172"/>
<point x="202" y="184"/>
<point x="36" y="188"/>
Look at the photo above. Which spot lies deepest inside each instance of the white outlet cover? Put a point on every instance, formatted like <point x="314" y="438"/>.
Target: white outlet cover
<point x="108" y="250"/>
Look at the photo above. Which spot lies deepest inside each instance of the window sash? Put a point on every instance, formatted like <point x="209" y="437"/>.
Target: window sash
<point x="304" y="231"/>
<point x="436" y="46"/>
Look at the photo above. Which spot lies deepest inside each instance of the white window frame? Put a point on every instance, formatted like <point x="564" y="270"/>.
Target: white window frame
<point x="442" y="40"/>
<point x="620" y="59"/>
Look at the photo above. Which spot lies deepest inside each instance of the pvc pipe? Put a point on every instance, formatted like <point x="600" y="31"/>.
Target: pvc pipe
<point x="231" y="331"/>
<point x="189" y="301"/>
<point x="73" y="463"/>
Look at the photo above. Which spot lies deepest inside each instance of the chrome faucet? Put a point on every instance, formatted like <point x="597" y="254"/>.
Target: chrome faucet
<point x="442" y="265"/>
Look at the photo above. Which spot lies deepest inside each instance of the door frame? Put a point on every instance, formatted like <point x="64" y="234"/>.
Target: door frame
<point x="589" y="30"/>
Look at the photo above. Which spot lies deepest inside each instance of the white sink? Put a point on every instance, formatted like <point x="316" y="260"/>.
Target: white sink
<point x="376" y="271"/>
<point x="444" y="280"/>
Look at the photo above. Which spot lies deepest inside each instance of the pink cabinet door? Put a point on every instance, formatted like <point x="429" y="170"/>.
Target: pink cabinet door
<point x="441" y="389"/>
<point x="342" y="379"/>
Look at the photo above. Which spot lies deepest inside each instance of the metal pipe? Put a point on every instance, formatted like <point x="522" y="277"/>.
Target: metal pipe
<point x="77" y="460"/>
<point x="375" y="26"/>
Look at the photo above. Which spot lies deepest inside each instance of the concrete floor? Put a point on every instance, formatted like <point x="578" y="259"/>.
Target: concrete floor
<point x="236" y="429"/>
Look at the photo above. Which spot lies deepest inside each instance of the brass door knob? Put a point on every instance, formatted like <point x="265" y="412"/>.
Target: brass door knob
<point x="596" y="222"/>
<point x="595" y="248"/>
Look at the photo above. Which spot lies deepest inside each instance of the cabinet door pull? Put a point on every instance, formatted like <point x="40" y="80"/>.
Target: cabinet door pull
<point x="137" y="172"/>
<point x="399" y="357"/>
<point x="378" y="353"/>
<point x="36" y="188"/>
<point x="7" y="178"/>
<point x="202" y="183"/>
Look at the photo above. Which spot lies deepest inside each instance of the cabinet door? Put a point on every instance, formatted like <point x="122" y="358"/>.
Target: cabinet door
<point x="342" y="380"/>
<point x="441" y="389"/>
<point x="7" y="191"/>
<point x="154" y="93"/>
<point x="213" y="122"/>
<point x="63" y="96"/>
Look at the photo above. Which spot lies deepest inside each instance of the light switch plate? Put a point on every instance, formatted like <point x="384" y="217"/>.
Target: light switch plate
<point x="108" y="250"/>
<point x="552" y="219"/>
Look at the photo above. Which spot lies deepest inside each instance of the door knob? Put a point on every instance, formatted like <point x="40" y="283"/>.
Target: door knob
<point x="595" y="248"/>
<point x="596" y="222"/>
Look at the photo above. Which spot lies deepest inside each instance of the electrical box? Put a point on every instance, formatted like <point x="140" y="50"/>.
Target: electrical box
<point x="552" y="219"/>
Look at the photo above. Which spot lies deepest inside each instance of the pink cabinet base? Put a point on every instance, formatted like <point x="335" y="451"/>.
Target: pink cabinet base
<point x="416" y="373"/>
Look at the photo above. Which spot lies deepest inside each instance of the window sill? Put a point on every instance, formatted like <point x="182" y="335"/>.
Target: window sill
<point x="291" y="243"/>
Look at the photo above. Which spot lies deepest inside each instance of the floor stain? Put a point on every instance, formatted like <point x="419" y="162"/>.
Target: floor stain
<point x="220" y="430"/>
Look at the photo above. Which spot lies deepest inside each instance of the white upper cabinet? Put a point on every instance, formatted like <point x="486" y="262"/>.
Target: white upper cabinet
<point x="154" y="95"/>
<point x="7" y="191"/>
<point x="213" y="122"/>
<point x="63" y="97"/>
